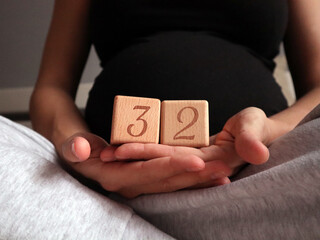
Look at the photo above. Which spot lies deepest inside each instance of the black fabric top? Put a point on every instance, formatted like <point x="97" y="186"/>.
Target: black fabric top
<point x="258" y="25"/>
<point x="220" y="51"/>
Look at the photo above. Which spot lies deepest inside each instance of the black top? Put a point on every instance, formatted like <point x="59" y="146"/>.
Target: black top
<point x="258" y="25"/>
<point x="221" y="51"/>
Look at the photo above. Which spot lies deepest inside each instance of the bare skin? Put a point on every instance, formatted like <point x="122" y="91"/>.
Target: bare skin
<point x="159" y="168"/>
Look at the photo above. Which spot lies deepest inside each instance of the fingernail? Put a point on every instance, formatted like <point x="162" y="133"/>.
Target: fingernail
<point x="74" y="150"/>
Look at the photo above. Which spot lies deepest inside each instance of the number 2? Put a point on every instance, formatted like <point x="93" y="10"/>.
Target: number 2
<point x="145" y="124"/>
<point x="194" y="120"/>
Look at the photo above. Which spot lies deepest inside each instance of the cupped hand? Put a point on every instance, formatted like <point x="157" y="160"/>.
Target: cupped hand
<point x="242" y="140"/>
<point x="82" y="152"/>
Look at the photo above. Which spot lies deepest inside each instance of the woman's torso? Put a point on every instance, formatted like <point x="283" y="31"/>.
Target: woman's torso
<point x="221" y="51"/>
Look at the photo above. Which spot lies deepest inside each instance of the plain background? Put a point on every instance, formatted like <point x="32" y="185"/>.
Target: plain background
<point x="23" y="29"/>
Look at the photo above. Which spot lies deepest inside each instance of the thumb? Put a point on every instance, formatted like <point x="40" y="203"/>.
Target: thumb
<point x="249" y="128"/>
<point x="250" y="148"/>
<point x="76" y="149"/>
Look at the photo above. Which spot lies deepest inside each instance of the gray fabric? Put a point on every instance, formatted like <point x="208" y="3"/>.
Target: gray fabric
<point x="277" y="200"/>
<point x="39" y="200"/>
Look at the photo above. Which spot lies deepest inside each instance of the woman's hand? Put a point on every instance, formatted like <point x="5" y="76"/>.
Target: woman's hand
<point x="82" y="152"/>
<point x="135" y="168"/>
<point x="243" y="140"/>
<point x="247" y="135"/>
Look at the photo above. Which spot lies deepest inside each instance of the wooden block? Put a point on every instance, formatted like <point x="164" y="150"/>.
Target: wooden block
<point x="185" y="123"/>
<point x="135" y="120"/>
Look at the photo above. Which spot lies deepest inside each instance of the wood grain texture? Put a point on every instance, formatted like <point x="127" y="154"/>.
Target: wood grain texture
<point x="185" y="123"/>
<point x="135" y="119"/>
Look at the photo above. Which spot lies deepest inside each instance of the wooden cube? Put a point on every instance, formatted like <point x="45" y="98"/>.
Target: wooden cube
<point x="185" y="123"/>
<point x="135" y="119"/>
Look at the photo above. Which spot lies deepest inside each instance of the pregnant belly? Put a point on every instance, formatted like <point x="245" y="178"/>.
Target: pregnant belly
<point x="182" y="65"/>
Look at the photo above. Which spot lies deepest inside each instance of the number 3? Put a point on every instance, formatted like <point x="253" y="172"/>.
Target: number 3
<point x="145" y="124"/>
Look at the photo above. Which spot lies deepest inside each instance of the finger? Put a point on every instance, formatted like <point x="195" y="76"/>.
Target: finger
<point x="212" y="139"/>
<point x="214" y="170"/>
<point x="120" y="175"/>
<point x="149" y="151"/>
<point x="222" y="181"/>
<point x="108" y="154"/>
<point x="213" y="183"/>
<point x="250" y="131"/>
<point x="97" y="144"/>
<point x="76" y="149"/>
<point x="251" y="149"/>
<point x="181" y="181"/>
<point x="143" y="151"/>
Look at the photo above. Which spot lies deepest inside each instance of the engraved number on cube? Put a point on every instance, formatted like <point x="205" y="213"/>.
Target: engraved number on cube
<point x="194" y="120"/>
<point x="145" y="123"/>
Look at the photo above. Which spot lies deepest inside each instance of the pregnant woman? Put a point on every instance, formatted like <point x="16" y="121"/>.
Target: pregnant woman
<point x="220" y="51"/>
